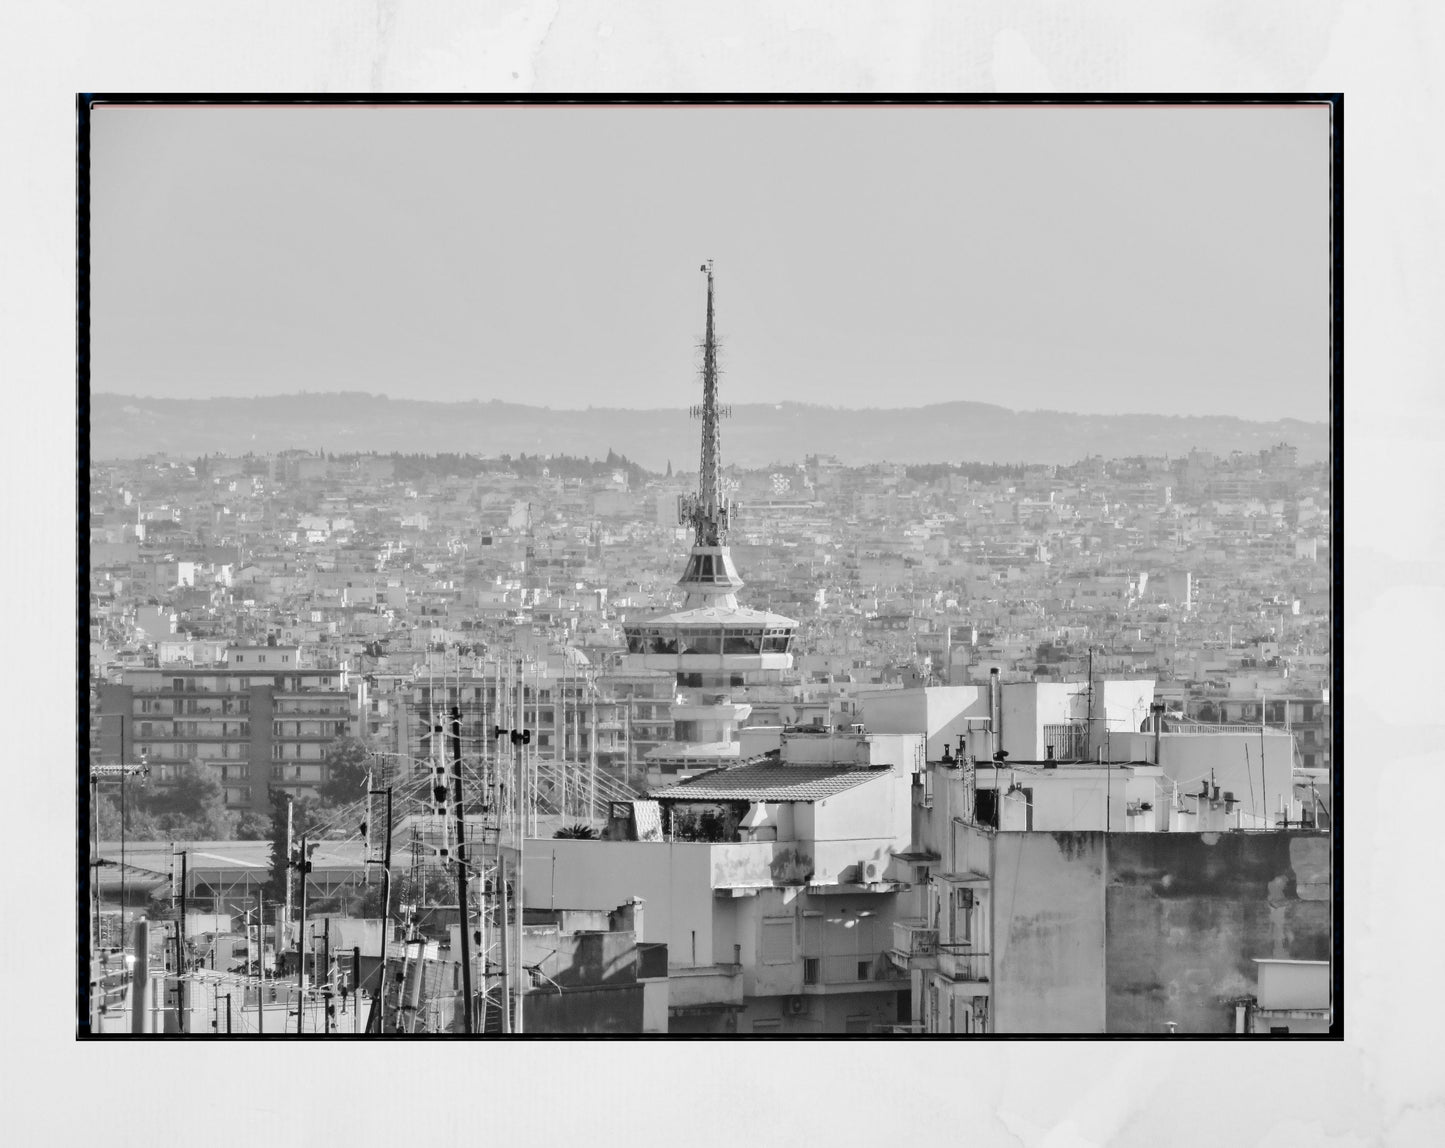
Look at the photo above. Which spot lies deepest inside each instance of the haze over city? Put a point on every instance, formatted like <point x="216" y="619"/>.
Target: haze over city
<point x="1094" y="260"/>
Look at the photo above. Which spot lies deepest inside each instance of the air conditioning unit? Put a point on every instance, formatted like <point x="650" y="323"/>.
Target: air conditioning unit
<point x="795" y="1006"/>
<point x="868" y="872"/>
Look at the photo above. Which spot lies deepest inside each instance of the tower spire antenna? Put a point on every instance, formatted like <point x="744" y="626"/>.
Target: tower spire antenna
<point x="709" y="513"/>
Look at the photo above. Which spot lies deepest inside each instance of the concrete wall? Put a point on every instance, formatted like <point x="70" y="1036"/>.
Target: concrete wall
<point x="1048" y="930"/>
<point x="1150" y="928"/>
<point x="724" y="931"/>
<point x="673" y="879"/>
<point x="831" y="1014"/>
<point x="1188" y="913"/>
<point x="1235" y="760"/>
<point x="865" y="823"/>
<point x="903" y="751"/>
<point x="970" y="850"/>
<point x="1126" y="705"/>
<point x="760" y="978"/>
<point x="612" y="1010"/>
<point x="936" y="712"/>
<point x="1070" y="798"/>
<point x="760" y="864"/>
<point x="948" y="708"/>
<point x="1293" y="984"/>
<point x="824" y="749"/>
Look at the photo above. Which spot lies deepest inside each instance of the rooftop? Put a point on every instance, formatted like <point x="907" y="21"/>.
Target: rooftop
<point x="771" y="782"/>
<point x="720" y="615"/>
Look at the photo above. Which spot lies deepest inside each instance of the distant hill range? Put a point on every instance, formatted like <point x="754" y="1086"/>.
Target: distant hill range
<point x="755" y="435"/>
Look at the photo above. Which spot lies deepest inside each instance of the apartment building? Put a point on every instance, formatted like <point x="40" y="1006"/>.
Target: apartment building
<point x="260" y="720"/>
<point x="765" y="881"/>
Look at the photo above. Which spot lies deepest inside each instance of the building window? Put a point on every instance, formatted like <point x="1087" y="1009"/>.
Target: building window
<point x="810" y="970"/>
<point x="865" y="969"/>
<point x="262" y="659"/>
<point x="240" y="658"/>
<point x="963" y="916"/>
<point x="777" y="947"/>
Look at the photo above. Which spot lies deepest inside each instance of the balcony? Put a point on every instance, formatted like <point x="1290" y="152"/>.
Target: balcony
<point x="759" y="864"/>
<point x="915" y="945"/>
<point x="704" y="986"/>
<point x="850" y="972"/>
<point x="960" y="961"/>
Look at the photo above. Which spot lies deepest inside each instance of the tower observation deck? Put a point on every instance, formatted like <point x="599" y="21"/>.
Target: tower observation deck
<point x="712" y="644"/>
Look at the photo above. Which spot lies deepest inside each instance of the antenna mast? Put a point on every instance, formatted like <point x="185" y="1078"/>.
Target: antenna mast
<point x="708" y="512"/>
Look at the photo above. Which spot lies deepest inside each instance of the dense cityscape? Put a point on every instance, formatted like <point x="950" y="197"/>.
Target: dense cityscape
<point x="440" y="744"/>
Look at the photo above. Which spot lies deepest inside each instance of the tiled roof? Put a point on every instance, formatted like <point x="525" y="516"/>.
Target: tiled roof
<point x="770" y="782"/>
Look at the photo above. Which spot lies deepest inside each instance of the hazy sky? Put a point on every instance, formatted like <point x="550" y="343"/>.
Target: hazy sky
<point x="1095" y="260"/>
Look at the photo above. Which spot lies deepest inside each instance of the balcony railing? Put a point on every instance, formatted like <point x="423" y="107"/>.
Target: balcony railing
<point x="702" y="985"/>
<point x="914" y="939"/>
<point x="1211" y="727"/>
<point x="850" y="969"/>
<point x="1069" y="739"/>
<point x="962" y="962"/>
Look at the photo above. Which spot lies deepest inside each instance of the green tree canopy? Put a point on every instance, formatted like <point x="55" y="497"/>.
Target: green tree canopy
<point x="193" y="807"/>
<point x="190" y="808"/>
<point x="347" y="765"/>
<point x="302" y="819"/>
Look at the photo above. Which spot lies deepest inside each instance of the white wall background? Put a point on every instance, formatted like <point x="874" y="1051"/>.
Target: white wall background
<point x="1380" y="1087"/>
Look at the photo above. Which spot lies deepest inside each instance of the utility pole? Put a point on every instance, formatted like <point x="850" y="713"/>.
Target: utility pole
<point x="182" y="1018"/>
<point x="519" y="753"/>
<point x="506" y="993"/>
<point x="301" y="866"/>
<point x="260" y="962"/>
<point x="140" y="979"/>
<point x="1263" y="797"/>
<point x="290" y="856"/>
<point x="326" y="996"/>
<point x="466" y="928"/>
<point x="627" y="740"/>
<point x="123" y="772"/>
<point x="378" y="1001"/>
<point x="591" y="748"/>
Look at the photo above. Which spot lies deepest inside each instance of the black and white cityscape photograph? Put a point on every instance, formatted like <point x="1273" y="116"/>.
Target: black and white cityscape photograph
<point x="693" y="569"/>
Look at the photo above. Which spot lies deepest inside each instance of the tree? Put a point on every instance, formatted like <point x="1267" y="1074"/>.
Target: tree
<point x="139" y="824"/>
<point x="302" y="820"/>
<point x="347" y="763"/>
<point x="253" y="826"/>
<point x="578" y="832"/>
<point x="193" y="807"/>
